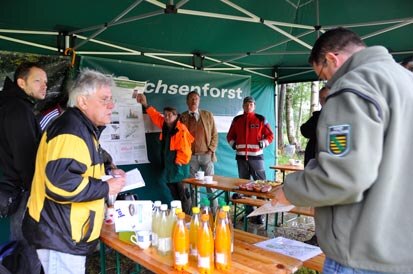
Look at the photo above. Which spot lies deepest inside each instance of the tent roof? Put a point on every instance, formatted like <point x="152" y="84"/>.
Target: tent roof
<point x="263" y="37"/>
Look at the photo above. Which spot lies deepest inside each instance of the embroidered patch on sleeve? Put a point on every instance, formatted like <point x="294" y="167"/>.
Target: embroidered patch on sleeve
<point x="339" y="140"/>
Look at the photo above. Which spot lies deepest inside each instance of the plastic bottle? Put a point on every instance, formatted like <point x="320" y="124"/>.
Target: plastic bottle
<point x="156" y="217"/>
<point x="231" y="227"/>
<point x="193" y="232"/>
<point x="164" y="236"/>
<point x="205" y="246"/>
<point x="221" y="204"/>
<point x="222" y="243"/>
<point x="172" y="217"/>
<point x="206" y="209"/>
<point x="180" y="243"/>
<point x="176" y="204"/>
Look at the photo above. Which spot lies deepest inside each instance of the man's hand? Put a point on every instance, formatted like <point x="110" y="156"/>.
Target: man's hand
<point x="118" y="172"/>
<point x="141" y="99"/>
<point x="280" y="197"/>
<point x="116" y="184"/>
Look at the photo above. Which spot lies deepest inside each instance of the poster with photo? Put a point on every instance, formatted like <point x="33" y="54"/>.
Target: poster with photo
<point x="124" y="138"/>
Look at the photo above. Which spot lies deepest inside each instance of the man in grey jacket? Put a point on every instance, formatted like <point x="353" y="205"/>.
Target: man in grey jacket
<point x="360" y="182"/>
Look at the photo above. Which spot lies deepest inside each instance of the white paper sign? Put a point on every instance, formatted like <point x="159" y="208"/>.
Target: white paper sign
<point x="133" y="215"/>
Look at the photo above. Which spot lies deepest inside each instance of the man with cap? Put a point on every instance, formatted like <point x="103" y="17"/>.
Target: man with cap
<point x="248" y="135"/>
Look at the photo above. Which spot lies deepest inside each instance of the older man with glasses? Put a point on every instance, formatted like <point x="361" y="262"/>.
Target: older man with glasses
<point x="66" y="206"/>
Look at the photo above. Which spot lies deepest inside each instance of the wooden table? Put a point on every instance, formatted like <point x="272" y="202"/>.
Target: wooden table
<point x="227" y="185"/>
<point x="287" y="167"/>
<point x="246" y="258"/>
<point x="315" y="263"/>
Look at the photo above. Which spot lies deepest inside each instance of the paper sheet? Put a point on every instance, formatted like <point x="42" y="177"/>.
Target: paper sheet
<point x="268" y="208"/>
<point x="292" y="248"/>
<point x="133" y="180"/>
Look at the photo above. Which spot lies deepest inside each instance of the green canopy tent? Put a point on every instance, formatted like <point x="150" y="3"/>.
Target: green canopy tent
<point x="269" y="38"/>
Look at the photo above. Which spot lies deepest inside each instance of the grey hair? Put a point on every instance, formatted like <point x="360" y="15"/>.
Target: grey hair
<point x="87" y="83"/>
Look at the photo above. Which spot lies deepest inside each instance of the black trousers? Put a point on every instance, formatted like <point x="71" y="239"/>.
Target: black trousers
<point x="179" y="192"/>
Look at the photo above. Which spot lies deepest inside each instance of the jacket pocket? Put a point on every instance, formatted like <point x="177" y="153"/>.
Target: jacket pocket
<point x="87" y="227"/>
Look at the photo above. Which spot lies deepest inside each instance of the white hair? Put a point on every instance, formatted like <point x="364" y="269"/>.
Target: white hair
<point x="87" y="83"/>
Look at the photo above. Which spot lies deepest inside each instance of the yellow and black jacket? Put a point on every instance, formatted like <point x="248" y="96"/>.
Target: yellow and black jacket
<point x="66" y="205"/>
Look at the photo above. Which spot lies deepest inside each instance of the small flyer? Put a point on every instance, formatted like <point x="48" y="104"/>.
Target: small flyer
<point x="292" y="248"/>
<point x="267" y="208"/>
<point x="134" y="180"/>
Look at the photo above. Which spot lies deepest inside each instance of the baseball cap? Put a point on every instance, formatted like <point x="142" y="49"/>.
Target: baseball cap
<point x="249" y="99"/>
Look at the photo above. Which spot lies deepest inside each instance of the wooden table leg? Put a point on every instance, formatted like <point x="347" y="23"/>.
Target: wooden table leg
<point x="102" y="251"/>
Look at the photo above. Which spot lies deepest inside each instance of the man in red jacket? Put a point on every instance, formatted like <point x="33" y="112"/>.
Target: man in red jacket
<point x="248" y="135"/>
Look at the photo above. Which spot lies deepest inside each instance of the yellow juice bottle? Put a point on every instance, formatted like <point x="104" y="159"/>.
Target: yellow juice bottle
<point x="193" y="233"/>
<point x="180" y="243"/>
<point x="222" y="243"/>
<point x="205" y="246"/>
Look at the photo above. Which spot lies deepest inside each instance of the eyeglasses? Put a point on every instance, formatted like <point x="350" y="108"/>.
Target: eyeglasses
<point x="105" y="101"/>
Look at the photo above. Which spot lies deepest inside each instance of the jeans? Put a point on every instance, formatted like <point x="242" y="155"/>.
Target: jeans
<point x="333" y="267"/>
<point x="251" y="168"/>
<point x="55" y="262"/>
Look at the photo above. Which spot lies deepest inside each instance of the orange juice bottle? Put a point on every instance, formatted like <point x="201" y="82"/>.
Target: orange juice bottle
<point x="205" y="246"/>
<point x="180" y="243"/>
<point x="206" y="209"/>
<point x="222" y="243"/>
<point x="193" y="232"/>
<point x="221" y="204"/>
<point x="231" y="227"/>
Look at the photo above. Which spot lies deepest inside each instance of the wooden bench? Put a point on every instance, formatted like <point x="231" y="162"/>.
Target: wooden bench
<point x="307" y="211"/>
<point x="244" y="201"/>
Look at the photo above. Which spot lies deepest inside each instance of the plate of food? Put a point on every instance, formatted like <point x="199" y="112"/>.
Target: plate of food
<point x="259" y="185"/>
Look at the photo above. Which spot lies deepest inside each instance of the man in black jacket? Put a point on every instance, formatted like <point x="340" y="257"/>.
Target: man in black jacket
<point x="309" y="128"/>
<point x="19" y="138"/>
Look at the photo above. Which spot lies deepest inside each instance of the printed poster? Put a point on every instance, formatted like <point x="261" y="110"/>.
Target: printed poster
<point x="124" y="138"/>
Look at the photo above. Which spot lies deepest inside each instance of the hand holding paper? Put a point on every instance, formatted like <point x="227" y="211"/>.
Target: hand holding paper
<point x="268" y="208"/>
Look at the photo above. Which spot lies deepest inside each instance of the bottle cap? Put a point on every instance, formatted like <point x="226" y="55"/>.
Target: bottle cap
<point x="164" y="206"/>
<point x="157" y="203"/>
<point x="205" y="217"/>
<point x="222" y="214"/>
<point x="178" y="210"/>
<point x="195" y="210"/>
<point x="176" y="204"/>
<point x="225" y="208"/>
<point x="181" y="215"/>
<point x="221" y="203"/>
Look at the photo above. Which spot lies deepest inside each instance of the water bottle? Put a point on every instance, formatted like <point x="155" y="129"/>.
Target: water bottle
<point x="156" y="217"/>
<point x="164" y="235"/>
<point x="222" y="243"/>
<point x="180" y="243"/>
<point x="205" y="246"/>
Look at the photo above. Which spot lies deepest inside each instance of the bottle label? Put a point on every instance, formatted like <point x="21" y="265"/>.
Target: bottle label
<point x="154" y="239"/>
<point x="181" y="258"/>
<point x="194" y="252"/>
<point x="203" y="262"/>
<point x="220" y="258"/>
<point x="164" y="244"/>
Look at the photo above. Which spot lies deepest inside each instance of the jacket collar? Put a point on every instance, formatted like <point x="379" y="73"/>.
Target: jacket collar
<point x="92" y="128"/>
<point x="10" y="89"/>
<point x="360" y="58"/>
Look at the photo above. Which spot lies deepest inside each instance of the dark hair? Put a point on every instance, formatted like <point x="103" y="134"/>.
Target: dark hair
<point x="192" y="92"/>
<point x="408" y="63"/>
<point x="23" y="70"/>
<point x="333" y="40"/>
<point x="171" y="109"/>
